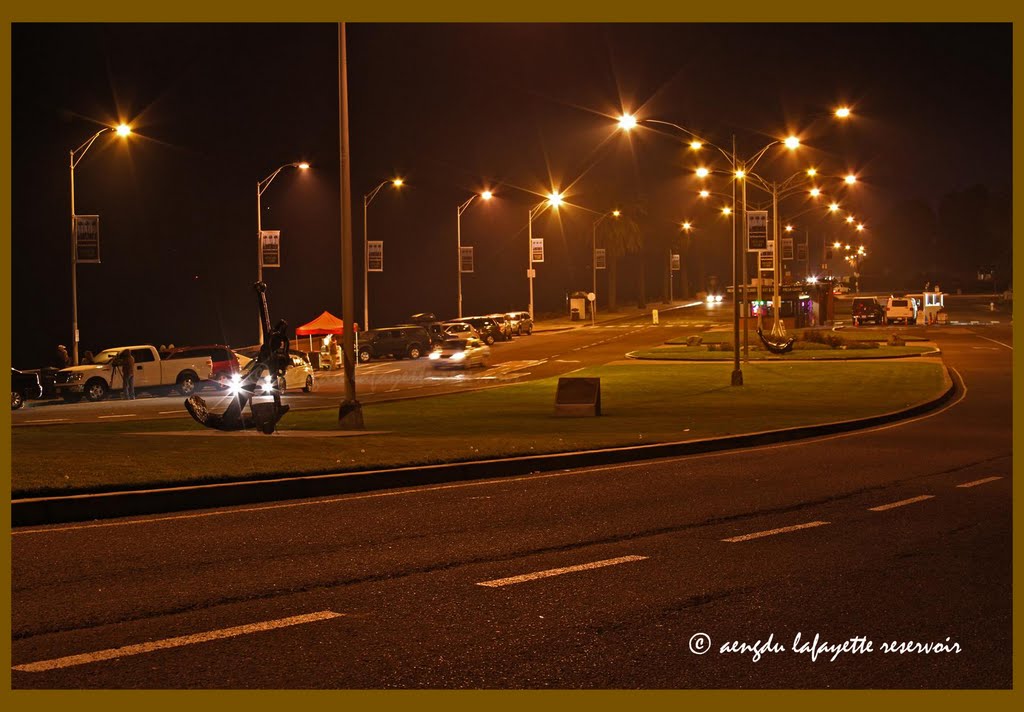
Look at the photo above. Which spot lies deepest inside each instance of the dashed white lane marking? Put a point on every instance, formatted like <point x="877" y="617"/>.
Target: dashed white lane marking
<point x="125" y="415"/>
<point x="558" y="572"/>
<point x="975" y="483"/>
<point x="126" y="650"/>
<point x="49" y="420"/>
<point x="994" y="341"/>
<point x="773" y="532"/>
<point x="901" y="503"/>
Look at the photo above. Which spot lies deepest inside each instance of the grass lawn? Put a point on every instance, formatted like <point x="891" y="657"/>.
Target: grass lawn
<point x="641" y="403"/>
<point x="859" y="333"/>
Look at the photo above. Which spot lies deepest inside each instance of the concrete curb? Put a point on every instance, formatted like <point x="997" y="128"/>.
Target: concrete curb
<point x="107" y="505"/>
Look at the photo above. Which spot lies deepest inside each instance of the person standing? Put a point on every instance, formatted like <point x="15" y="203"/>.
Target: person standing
<point x="61" y="358"/>
<point x="126" y="363"/>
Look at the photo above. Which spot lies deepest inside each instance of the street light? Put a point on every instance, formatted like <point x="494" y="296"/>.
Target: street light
<point x="367" y="199"/>
<point x="261" y="186"/>
<point x="486" y="195"/>
<point x="122" y="130"/>
<point x="553" y="200"/>
<point x="593" y="263"/>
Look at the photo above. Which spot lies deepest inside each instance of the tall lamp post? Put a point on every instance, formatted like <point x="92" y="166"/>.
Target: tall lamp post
<point x="367" y="199"/>
<point x="486" y="195"/>
<point x="553" y="200"/>
<point x="593" y="264"/>
<point x="260" y="187"/>
<point x="77" y="155"/>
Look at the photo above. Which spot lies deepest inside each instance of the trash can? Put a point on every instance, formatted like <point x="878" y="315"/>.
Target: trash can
<point x="577" y="305"/>
<point x="574" y="314"/>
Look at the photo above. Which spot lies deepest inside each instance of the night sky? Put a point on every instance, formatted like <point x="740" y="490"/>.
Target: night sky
<point x="452" y="109"/>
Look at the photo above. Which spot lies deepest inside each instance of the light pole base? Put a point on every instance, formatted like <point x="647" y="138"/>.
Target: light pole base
<point x="350" y="416"/>
<point x="737" y="377"/>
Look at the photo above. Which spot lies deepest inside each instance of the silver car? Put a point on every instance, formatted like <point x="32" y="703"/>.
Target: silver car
<point x="461" y="353"/>
<point x="521" y="322"/>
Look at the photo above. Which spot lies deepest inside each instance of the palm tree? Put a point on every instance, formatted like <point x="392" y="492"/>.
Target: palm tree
<point x="620" y="237"/>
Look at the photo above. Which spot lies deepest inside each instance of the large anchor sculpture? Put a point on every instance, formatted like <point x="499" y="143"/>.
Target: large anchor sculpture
<point x="263" y="377"/>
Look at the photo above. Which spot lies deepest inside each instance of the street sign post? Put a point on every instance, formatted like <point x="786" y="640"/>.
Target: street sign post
<point x="757" y="230"/>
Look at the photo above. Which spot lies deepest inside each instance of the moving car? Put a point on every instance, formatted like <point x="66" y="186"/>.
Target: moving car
<point x="461" y="353"/>
<point x="24" y="386"/>
<point x="395" y="341"/>
<point x="521" y="322"/>
<point x="299" y="374"/>
<point x="866" y="310"/>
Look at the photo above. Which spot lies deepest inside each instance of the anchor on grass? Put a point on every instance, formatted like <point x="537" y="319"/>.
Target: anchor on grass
<point x="261" y="378"/>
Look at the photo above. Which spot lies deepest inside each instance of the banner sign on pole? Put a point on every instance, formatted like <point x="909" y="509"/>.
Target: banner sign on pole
<point x="466" y="259"/>
<point x="537" y="250"/>
<point x="87" y="238"/>
<point x="600" y="258"/>
<point x="787" y="248"/>
<point x="270" y="248"/>
<point x="675" y="261"/>
<point x="767" y="263"/>
<point x="375" y="256"/>
<point x="757" y="230"/>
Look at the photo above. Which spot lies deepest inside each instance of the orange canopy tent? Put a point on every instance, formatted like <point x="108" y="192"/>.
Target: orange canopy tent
<point x="326" y="323"/>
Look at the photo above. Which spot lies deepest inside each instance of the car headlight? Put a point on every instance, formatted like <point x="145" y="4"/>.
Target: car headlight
<point x="710" y="298"/>
<point x="235" y="386"/>
<point x="434" y="355"/>
<point x="458" y="356"/>
<point x="718" y="297"/>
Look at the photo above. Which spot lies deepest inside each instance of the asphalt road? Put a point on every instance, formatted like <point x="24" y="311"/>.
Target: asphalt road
<point x="601" y="577"/>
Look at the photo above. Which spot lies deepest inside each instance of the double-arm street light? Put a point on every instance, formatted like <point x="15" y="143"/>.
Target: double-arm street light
<point x="260" y="187"/>
<point x="367" y="199"/>
<point x="122" y="130"/>
<point x="486" y="195"/>
<point x="553" y="200"/>
<point x="593" y="263"/>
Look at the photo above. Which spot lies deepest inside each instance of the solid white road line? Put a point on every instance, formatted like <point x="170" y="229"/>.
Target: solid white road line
<point x="124" y="651"/>
<point x="49" y="420"/>
<point x="901" y="503"/>
<point x="772" y="532"/>
<point x="975" y="483"/>
<point x="558" y="572"/>
<point x="126" y="415"/>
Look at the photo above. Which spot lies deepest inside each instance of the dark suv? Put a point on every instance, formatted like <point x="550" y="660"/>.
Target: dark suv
<point x="395" y="341"/>
<point x="867" y="310"/>
<point x="490" y="330"/>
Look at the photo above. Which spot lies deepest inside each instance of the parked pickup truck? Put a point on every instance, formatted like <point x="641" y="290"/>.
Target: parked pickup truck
<point x="96" y="380"/>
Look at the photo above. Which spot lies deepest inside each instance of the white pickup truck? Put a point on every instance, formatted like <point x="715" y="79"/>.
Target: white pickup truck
<point x="97" y="379"/>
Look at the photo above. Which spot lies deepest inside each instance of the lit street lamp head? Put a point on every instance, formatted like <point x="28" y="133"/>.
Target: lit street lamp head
<point x="554" y="199"/>
<point x="616" y="213"/>
<point x="687" y="226"/>
<point x="843" y="112"/>
<point x="834" y="207"/>
<point x="702" y="172"/>
<point x="123" y="130"/>
<point x="727" y="210"/>
<point x="792" y="142"/>
<point x="397" y="182"/>
<point x="740" y="174"/>
<point x="815" y="192"/>
<point x="627" y="122"/>
<point x="704" y="193"/>
<point x="487" y="195"/>
<point x="850" y="179"/>
<point x="696" y="145"/>
<point x="302" y="166"/>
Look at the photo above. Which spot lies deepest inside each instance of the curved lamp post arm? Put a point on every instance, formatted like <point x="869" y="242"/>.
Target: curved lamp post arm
<point x="368" y="198"/>
<point x="728" y="156"/>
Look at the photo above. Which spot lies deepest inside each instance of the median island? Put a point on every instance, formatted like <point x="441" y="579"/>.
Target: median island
<point x="642" y="403"/>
